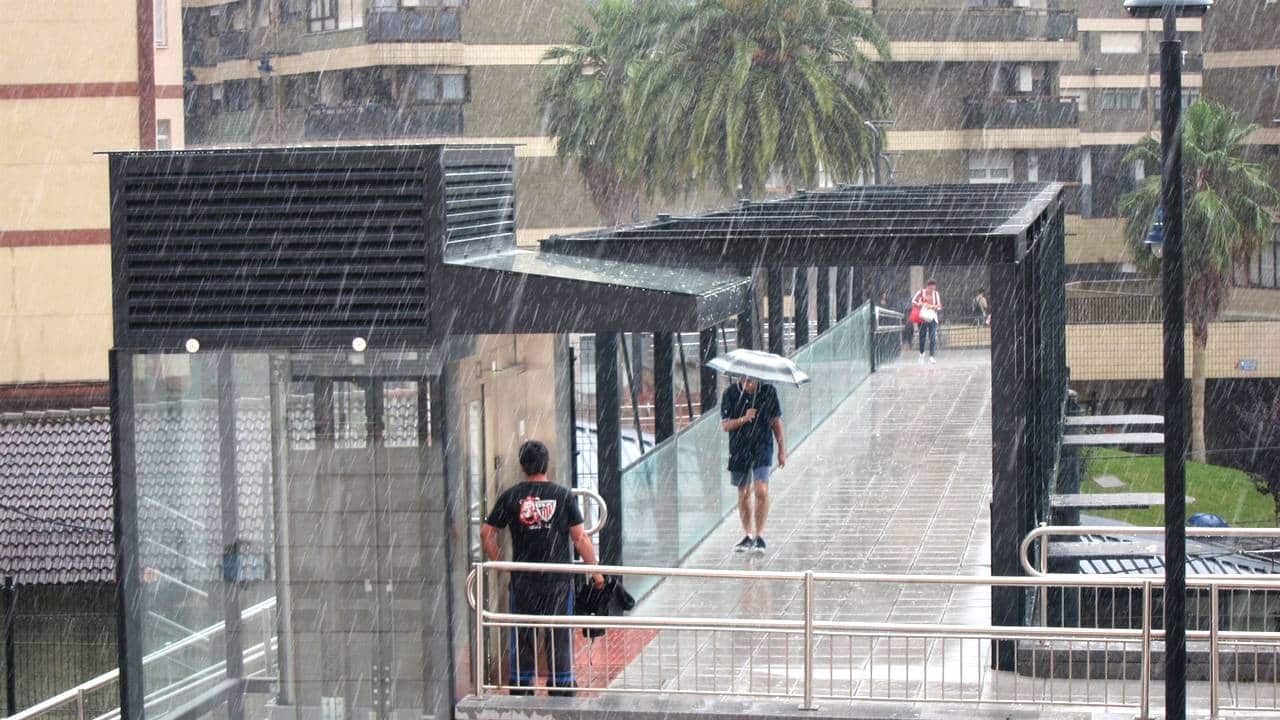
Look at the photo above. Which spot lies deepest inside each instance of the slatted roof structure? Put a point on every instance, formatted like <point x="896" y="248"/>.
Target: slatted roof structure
<point x="849" y="225"/>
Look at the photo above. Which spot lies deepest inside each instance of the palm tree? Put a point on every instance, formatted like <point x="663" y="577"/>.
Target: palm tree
<point x="1226" y="220"/>
<point x="671" y="96"/>
<point x="582" y="99"/>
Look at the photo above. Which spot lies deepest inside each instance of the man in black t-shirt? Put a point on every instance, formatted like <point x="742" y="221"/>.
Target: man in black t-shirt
<point x="544" y="521"/>
<point x="751" y="414"/>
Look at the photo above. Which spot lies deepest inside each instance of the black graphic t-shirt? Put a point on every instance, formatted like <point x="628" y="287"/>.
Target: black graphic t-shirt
<point x="751" y="446"/>
<point x="539" y="515"/>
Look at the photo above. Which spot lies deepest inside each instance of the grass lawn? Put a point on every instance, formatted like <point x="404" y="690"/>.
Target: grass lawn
<point x="1227" y="493"/>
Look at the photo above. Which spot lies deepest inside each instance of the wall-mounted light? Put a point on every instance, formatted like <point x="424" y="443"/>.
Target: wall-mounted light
<point x="192" y="345"/>
<point x="1155" y="236"/>
<point x="359" y="344"/>
<point x="264" y="65"/>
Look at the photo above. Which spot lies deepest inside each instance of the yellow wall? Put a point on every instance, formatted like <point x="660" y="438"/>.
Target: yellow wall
<point x="68" y="41"/>
<point x="55" y="313"/>
<point x="1095" y="240"/>
<point x="1132" y="351"/>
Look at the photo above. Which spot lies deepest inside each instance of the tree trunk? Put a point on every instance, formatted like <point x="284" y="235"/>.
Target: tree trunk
<point x="1199" y="343"/>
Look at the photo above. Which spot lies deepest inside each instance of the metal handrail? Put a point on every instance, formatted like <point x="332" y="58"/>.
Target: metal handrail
<point x="76" y="694"/>
<point x="809" y="626"/>
<point x="1048" y="531"/>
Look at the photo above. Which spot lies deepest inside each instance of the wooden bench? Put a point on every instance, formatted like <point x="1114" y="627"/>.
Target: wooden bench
<point x="1114" y="439"/>
<point x="1105" y="501"/>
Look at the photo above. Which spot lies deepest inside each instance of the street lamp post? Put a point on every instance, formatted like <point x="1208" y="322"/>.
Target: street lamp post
<point x="1175" y="393"/>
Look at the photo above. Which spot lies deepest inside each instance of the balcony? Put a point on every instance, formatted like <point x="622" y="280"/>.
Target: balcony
<point x="381" y="122"/>
<point x="1191" y="62"/>
<point x="233" y="45"/>
<point x="998" y="112"/>
<point x="992" y="24"/>
<point x="413" y="26"/>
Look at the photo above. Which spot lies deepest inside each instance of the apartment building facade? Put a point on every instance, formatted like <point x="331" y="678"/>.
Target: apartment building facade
<point x="75" y="79"/>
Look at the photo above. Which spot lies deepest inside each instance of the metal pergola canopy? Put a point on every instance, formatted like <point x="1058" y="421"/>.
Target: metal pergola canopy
<point x="851" y="225"/>
<point x="530" y="291"/>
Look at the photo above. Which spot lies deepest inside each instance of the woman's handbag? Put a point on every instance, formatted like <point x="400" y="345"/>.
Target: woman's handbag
<point x="915" y="315"/>
<point x="928" y="315"/>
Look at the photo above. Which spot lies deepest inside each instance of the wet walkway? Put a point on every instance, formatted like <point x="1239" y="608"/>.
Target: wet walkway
<point x="898" y="480"/>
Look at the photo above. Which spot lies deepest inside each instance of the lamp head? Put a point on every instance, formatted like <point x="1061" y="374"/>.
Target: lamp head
<point x="1158" y="8"/>
<point x="1155" y="236"/>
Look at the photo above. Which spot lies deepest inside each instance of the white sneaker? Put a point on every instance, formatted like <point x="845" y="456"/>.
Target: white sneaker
<point x="932" y="359"/>
<point x="921" y="358"/>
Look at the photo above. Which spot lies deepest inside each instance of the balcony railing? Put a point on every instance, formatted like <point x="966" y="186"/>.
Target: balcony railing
<point x="1020" y="113"/>
<point x="994" y="24"/>
<point x="233" y="44"/>
<point x="381" y="122"/>
<point x="413" y="25"/>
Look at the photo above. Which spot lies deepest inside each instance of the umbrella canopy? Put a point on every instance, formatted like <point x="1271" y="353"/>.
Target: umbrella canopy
<point x="762" y="366"/>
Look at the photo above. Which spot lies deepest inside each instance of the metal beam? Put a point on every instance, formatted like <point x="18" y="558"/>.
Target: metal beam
<point x="129" y="596"/>
<point x="824" y="298"/>
<point x="707" y="383"/>
<point x="776" y="312"/>
<point x="747" y="318"/>
<point x="1007" y="447"/>
<point x="664" y="399"/>
<point x="843" y="283"/>
<point x="609" y="445"/>
<point x="800" y="306"/>
<point x="232" y="556"/>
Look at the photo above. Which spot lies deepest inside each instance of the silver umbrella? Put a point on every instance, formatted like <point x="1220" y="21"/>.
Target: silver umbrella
<point x="762" y="366"/>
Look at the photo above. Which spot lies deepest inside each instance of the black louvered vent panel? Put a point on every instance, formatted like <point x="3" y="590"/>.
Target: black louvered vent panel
<point x="480" y="210"/>
<point x="303" y="250"/>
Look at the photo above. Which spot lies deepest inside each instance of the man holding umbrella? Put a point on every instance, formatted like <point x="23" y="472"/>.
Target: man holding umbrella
<point x="751" y="414"/>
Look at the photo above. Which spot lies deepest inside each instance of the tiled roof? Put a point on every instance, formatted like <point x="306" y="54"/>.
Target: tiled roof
<point x="55" y="497"/>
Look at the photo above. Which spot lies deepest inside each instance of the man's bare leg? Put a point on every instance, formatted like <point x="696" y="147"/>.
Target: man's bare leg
<point x="744" y="508"/>
<point x="762" y="505"/>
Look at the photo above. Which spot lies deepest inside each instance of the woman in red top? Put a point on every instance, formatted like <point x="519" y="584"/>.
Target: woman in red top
<point x="930" y="304"/>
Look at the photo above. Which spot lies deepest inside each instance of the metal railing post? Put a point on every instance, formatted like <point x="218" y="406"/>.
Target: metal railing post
<point x="1214" y="658"/>
<point x="1044" y="589"/>
<point x="1144" y="711"/>
<point x="808" y="642"/>
<point x="80" y="711"/>
<point x="479" y="648"/>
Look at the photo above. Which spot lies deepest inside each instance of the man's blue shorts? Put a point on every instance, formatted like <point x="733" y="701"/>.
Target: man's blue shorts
<point x="741" y="478"/>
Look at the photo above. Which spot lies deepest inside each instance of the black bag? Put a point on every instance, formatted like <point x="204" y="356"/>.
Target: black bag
<point x="612" y="599"/>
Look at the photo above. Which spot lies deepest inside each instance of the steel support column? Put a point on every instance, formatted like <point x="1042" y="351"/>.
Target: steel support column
<point x="857" y="288"/>
<point x="747" y="318"/>
<point x="707" y="382"/>
<point x="230" y="521"/>
<point x="843" y="281"/>
<point x="824" y="298"/>
<point x="1175" y="382"/>
<point x="776" y="312"/>
<point x="125" y="535"/>
<point x="609" y="445"/>
<point x="664" y="397"/>
<point x="1008" y="451"/>
<point x="800" y="305"/>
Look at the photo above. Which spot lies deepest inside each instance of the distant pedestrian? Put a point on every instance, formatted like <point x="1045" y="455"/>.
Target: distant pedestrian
<point x="751" y="414"/>
<point x="545" y="522"/>
<point x="981" y="309"/>
<point x="926" y="305"/>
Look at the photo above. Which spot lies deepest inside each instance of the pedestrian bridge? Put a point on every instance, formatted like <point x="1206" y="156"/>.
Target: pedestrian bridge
<point x="874" y="594"/>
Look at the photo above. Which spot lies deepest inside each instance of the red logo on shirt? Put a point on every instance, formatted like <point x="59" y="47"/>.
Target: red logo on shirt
<point x="535" y="512"/>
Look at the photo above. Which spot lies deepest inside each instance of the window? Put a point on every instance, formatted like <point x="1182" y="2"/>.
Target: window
<point x="161" y="18"/>
<point x="237" y="95"/>
<point x="266" y="94"/>
<point x="325" y="15"/>
<point x="431" y="87"/>
<point x="990" y="167"/>
<point x="238" y="16"/>
<point x="1120" y="43"/>
<point x="164" y="134"/>
<point x="1272" y="74"/>
<point x="297" y="91"/>
<point x="1121" y="99"/>
<point x="1189" y="97"/>
<point x="1080" y="96"/>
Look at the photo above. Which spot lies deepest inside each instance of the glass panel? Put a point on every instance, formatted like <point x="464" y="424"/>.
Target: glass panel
<point x="681" y="488"/>
<point x="325" y="551"/>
